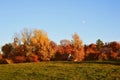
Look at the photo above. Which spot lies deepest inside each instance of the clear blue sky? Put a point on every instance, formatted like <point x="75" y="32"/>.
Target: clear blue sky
<point x="91" y="19"/>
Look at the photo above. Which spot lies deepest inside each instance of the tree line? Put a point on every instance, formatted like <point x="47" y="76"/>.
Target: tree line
<point x="35" y="46"/>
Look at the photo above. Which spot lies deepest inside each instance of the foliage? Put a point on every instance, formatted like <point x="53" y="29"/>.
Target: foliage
<point x="91" y="52"/>
<point x="65" y="42"/>
<point x="60" y="54"/>
<point x="78" y="48"/>
<point x="32" y="58"/>
<point x="99" y="44"/>
<point x="19" y="59"/>
<point x="26" y="36"/>
<point x="35" y="45"/>
<point x="6" y="49"/>
<point x="1" y="57"/>
<point x="41" y="45"/>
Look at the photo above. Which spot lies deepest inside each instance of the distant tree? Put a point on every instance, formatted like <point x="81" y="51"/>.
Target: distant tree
<point x="19" y="59"/>
<point x="77" y="42"/>
<point x="53" y="49"/>
<point x="115" y="46"/>
<point x="17" y="40"/>
<point x="65" y="42"/>
<point x="91" y="52"/>
<point x="23" y="39"/>
<point x="53" y="45"/>
<point x="114" y="55"/>
<point x="110" y="51"/>
<point x="1" y="56"/>
<point x="26" y="36"/>
<point x="68" y="49"/>
<point x="41" y="45"/>
<point x="78" y="48"/>
<point x="19" y="51"/>
<point x="99" y="44"/>
<point x="103" y="56"/>
<point x="60" y="54"/>
<point x="6" y="49"/>
<point x="32" y="58"/>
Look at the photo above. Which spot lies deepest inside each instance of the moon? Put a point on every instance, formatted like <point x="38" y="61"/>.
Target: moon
<point x="83" y="22"/>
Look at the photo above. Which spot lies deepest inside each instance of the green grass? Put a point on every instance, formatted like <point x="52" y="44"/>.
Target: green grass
<point x="61" y="71"/>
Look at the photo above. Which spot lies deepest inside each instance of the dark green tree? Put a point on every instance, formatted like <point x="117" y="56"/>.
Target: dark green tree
<point x="99" y="44"/>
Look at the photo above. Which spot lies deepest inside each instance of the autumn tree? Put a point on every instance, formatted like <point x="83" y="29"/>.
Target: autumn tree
<point x="26" y="36"/>
<point x="54" y="47"/>
<point x="21" y="46"/>
<point x="19" y="51"/>
<point x="63" y="50"/>
<point x="41" y="45"/>
<point x="1" y="57"/>
<point x="99" y="44"/>
<point x="32" y="58"/>
<point x="91" y="52"/>
<point x="115" y="46"/>
<point x="34" y="45"/>
<point x="78" y="50"/>
<point x="17" y="40"/>
<point x="105" y="53"/>
<point x="6" y="49"/>
<point x="65" y="42"/>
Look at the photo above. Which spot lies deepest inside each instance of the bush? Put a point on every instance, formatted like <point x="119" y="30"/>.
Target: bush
<point x="19" y="59"/>
<point x="6" y="61"/>
<point x="1" y="57"/>
<point x="32" y="58"/>
<point x="60" y="57"/>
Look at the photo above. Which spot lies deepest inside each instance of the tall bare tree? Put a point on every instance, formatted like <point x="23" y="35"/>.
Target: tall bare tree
<point x="26" y="35"/>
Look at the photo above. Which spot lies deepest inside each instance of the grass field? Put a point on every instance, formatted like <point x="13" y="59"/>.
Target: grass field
<point x="61" y="71"/>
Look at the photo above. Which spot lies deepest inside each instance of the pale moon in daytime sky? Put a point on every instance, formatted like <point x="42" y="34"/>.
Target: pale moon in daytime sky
<point x="83" y="22"/>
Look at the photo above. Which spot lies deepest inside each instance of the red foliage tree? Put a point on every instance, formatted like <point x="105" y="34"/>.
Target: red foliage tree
<point x="6" y="49"/>
<point x="115" y="46"/>
<point x="114" y="55"/>
<point x="1" y="57"/>
<point x="91" y="52"/>
<point x="32" y="58"/>
<point x="19" y="51"/>
<point x="19" y="59"/>
<point x="60" y="54"/>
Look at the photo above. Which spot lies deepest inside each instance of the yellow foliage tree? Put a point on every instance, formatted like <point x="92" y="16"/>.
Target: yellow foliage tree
<point x="41" y="44"/>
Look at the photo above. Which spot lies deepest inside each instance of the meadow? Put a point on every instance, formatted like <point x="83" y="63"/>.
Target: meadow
<point x="61" y="70"/>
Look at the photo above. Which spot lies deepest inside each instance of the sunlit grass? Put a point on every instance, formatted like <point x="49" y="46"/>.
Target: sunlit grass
<point x="60" y="71"/>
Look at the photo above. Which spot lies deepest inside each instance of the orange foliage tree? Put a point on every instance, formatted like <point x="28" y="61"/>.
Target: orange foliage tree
<point x="78" y="48"/>
<point x="63" y="50"/>
<point x="34" y="45"/>
<point x="91" y="52"/>
<point x="41" y="45"/>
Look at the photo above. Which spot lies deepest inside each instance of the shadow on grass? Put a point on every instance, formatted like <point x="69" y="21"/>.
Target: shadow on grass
<point x="93" y="62"/>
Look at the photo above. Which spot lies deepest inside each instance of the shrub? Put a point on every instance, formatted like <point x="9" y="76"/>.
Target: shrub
<point x="19" y="59"/>
<point x="61" y="57"/>
<point x="6" y="61"/>
<point x="6" y="49"/>
<point x="103" y="56"/>
<point x="1" y="57"/>
<point x="32" y="58"/>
